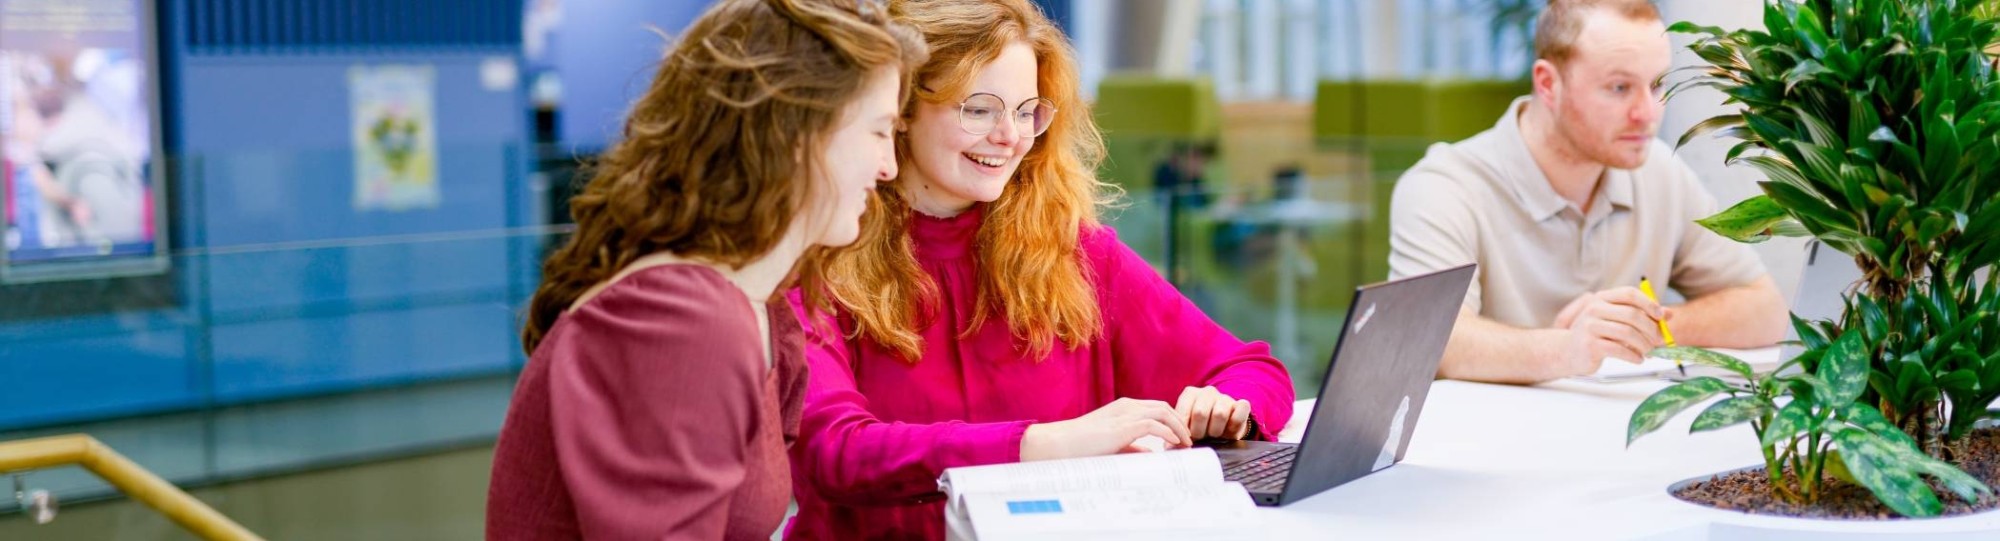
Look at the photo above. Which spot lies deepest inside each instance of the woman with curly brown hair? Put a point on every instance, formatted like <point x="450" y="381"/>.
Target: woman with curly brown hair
<point x="662" y="386"/>
<point x="986" y="316"/>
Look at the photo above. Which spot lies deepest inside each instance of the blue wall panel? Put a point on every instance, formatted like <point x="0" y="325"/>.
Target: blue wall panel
<point x="261" y="360"/>
<point x="112" y="368"/>
<point x="339" y="316"/>
<point x="274" y="282"/>
<point x="310" y="295"/>
<point x="282" y="170"/>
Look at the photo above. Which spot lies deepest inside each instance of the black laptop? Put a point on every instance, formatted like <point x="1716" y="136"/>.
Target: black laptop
<point x="1376" y="380"/>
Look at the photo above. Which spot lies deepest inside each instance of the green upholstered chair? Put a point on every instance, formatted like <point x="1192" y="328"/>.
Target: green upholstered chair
<point x="1388" y="125"/>
<point x="1144" y="118"/>
<point x="1169" y="108"/>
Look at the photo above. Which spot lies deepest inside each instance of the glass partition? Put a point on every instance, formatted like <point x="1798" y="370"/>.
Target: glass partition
<point x="298" y="325"/>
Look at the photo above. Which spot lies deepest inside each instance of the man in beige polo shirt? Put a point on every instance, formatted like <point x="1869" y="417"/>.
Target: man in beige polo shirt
<point x="1565" y="203"/>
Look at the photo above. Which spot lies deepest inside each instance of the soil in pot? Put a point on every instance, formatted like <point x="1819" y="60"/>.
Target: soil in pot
<point x="1749" y="490"/>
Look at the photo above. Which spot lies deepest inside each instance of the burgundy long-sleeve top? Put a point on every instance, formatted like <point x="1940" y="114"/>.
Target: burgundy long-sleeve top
<point x="648" y="412"/>
<point x="878" y="430"/>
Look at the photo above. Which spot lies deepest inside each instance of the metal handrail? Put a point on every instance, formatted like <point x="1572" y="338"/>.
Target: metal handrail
<point x="135" y="481"/>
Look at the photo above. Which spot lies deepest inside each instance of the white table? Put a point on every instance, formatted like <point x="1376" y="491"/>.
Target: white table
<point x="1549" y="462"/>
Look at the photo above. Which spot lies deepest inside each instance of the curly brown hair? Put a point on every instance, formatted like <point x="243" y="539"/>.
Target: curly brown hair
<point x="711" y="165"/>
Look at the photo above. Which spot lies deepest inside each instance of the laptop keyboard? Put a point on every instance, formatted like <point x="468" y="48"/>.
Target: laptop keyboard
<point x="1265" y="472"/>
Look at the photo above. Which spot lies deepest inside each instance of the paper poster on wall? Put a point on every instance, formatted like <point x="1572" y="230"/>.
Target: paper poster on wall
<point x="395" y="137"/>
<point x="77" y="143"/>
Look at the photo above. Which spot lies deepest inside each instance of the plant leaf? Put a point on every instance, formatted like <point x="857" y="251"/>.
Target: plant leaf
<point x="1818" y="131"/>
<point x="1837" y="468"/>
<point x="1809" y="208"/>
<point x="1844" y="369"/>
<point x="1956" y="480"/>
<point x="1943" y="341"/>
<point x="1934" y="226"/>
<point x="1810" y="34"/>
<point x="1941" y="150"/>
<point x="1705" y="357"/>
<point x="1912" y="378"/>
<point x="1904" y="454"/>
<point x="1748" y="221"/>
<point x="1705" y="126"/>
<point x="1688" y="27"/>
<point x="1862" y="120"/>
<point x="1958" y="381"/>
<point x="1790" y="228"/>
<point x="1730" y="412"/>
<point x="1873" y="321"/>
<point x="1822" y="393"/>
<point x="1878" y="469"/>
<point x="1770" y="131"/>
<point x="1870" y="419"/>
<point x="1809" y="336"/>
<point x="1663" y="405"/>
<point x="1789" y="421"/>
<point x="1803" y="72"/>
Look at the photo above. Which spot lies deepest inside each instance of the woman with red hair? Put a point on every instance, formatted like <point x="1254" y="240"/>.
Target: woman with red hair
<point x="986" y="316"/>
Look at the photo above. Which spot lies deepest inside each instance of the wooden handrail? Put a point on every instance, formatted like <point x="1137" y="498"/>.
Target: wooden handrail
<point x="135" y="481"/>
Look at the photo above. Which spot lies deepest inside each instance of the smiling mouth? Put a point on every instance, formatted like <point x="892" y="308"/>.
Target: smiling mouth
<point x="989" y="161"/>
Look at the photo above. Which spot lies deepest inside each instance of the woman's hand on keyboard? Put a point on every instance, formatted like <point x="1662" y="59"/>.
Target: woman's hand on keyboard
<point x="1211" y="414"/>
<point x="1108" y="430"/>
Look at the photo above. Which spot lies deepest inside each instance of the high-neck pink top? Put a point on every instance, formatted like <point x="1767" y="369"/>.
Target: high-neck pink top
<point x="878" y="430"/>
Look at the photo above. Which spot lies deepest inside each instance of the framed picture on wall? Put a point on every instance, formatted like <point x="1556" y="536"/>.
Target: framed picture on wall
<point x="80" y="150"/>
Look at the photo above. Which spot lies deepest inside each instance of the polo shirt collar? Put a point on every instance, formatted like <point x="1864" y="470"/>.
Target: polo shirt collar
<point x="1531" y="188"/>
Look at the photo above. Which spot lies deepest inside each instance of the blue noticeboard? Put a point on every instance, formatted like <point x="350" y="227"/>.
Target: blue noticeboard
<point x="281" y="285"/>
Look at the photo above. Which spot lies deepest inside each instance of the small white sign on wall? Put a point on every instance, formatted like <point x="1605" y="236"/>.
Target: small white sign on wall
<point x="395" y="137"/>
<point x="499" y="74"/>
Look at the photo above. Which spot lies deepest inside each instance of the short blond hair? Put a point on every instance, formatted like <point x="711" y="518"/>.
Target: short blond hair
<point x="1558" y="25"/>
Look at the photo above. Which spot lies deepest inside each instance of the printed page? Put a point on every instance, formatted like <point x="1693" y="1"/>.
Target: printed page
<point x="1211" y="511"/>
<point x="1186" y="467"/>
<point x="1613" y="370"/>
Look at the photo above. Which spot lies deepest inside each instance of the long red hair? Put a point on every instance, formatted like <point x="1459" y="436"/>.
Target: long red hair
<point x="1031" y="272"/>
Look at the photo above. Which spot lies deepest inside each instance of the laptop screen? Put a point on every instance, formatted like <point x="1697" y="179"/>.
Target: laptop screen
<point x="1381" y="370"/>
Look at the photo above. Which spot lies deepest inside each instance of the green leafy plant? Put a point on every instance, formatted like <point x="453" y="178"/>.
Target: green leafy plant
<point x="1879" y="118"/>
<point x="1809" y="422"/>
<point x="1931" y="374"/>
<point x="1877" y="123"/>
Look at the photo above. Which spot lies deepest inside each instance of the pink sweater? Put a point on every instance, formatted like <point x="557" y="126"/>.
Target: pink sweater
<point x="877" y="431"/>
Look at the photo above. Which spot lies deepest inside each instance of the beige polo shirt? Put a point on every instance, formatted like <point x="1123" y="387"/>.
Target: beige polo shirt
<point x="1484" y="200"/>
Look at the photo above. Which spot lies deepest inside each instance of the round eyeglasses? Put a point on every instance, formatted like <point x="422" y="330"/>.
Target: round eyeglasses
<point x="980" y="114"/>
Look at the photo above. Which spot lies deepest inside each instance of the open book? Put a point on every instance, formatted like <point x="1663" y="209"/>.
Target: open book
<point x="1150" y="496"/>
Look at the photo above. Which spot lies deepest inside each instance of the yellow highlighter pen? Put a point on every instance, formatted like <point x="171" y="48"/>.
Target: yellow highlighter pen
<point x="1646" y="286"/>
